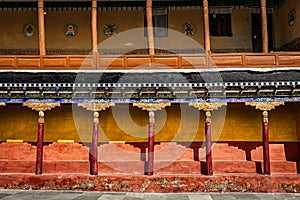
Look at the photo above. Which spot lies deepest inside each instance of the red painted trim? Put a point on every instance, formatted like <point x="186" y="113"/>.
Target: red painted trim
<point x="39" y="149"/>
<point x="151" y="149"/>
<point x="208" y="149"/>
<point x="266" y="151"/>
<point x="94" y="151"/>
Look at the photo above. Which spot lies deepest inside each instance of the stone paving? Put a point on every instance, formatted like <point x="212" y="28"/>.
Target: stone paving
<point x="77" y="195"/>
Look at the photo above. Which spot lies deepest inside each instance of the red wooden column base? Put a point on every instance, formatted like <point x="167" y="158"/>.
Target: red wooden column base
<point x="151" y="144"/>
<point x="266" y="151"/>
<point x="94" y="147"/>
<point x="208" y="143"/>
<point x="39" y="149"/>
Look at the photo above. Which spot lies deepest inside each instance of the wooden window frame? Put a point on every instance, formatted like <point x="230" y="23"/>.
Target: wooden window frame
<point x="220" y="25"/>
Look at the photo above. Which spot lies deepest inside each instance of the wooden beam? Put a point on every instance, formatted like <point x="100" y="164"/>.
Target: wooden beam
<point x="41" y="20"/>
<point x="94" y="26"/>
<point x="206" y="25"/>
<point x="150" y="27"/>
<point x="264" y="23"/>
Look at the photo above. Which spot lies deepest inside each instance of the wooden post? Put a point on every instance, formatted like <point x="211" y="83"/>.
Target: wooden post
<point x="151" y="144"/>
<point x="94" y="147"/>
<point x="39" y="146"/>
<point x="208" y="143"/>
<point x="150" y="27"/>
<point x="206" y="26"/>
<point x="41" y="20"/>
<point x="94" y="27"/>
<point x="266" y="152"/>
<point x="264" y="23"/>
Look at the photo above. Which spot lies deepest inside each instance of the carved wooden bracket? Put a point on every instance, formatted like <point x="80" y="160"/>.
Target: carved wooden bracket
<point x="264" y="106"/>
<point x="2" y="104"/>
<point x="152" y="106"/>
<point x="41" y="106"/>
<point x="96" y="106"/>
<point x="207" y="106"/>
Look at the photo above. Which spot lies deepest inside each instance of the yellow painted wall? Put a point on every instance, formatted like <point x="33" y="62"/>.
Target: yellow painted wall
<point x="55" y="36"/>
<point x="12" y="36"/>
<point x="241" y="34"/>
<point x="11" y="31"/>
<point x="283" y="32"/>
<point x="127" y="123"/>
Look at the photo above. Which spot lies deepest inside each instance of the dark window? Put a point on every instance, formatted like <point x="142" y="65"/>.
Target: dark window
<point x="220" y="25"/>
<point x="160" y="23"/>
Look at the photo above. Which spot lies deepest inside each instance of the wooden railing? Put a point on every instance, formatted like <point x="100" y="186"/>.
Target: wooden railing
<point x="167" y="61"/>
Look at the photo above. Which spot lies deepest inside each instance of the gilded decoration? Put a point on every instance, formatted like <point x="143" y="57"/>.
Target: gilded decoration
<point x="265" y="116"/>
<point x="267" y="106"/>
<point x="2" y="104"/>
<point x="151" y="117"/>
<point x="96" y="117"/>
<point x="152" y="106"/>
<point x="41" y="106"/>
<point x="41" y="117"/>
<point x="207" y="106"/>
<point x="96" y="106"/>
<point x="208" y="117"/>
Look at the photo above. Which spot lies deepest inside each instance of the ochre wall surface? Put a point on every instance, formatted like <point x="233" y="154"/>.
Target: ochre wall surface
<point x="55" y="36"/>
<point x="11" y="31"/>
<point x="127" y="21"/>
<point x="126" y="123"/>
<point x="283" y="32"/>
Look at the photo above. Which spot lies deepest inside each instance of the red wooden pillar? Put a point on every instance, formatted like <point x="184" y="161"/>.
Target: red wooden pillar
<point x="94" y="147"/>
<point x="39" y="149"/>
<point x="266" y="152"/>
<point x="208" y="143"/>
<point x="151" y="144"/>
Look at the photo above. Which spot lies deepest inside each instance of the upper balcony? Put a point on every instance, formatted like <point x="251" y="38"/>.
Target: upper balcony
<point x="96" y="35"/>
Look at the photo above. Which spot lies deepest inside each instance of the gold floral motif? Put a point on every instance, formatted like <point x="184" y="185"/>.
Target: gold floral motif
<point x="207" y="106"/>
<point x="267" y="106"/>
<point x="152" y="106"/>
<point x="41" y="106"/>
<point x="96" y="106"/>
